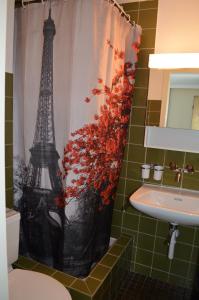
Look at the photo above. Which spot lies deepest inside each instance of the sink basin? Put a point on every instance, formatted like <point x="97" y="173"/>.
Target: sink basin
<point x="178" y="206"/>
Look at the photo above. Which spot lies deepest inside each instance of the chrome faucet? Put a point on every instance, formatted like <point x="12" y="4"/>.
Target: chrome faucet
<point x="178" y="175"/>
<point x="188" y="169"/>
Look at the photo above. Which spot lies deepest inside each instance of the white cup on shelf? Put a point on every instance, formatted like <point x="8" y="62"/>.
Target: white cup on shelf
<point x="158" y="172"/>
<point x="145" y="171"/>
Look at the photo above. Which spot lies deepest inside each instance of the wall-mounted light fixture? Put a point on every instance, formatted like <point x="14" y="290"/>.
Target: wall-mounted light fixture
<point x="174" y="60"/>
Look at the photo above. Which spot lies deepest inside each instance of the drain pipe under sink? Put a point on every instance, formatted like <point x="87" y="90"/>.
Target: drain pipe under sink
<point x="174" y="233"/>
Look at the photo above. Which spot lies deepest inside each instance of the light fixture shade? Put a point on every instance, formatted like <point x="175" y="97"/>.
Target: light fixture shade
<point x="174" y="60"/>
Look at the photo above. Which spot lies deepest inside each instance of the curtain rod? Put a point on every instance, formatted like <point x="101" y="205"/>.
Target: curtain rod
<point x="122" y="11"/>
<point x="19" y="3"/>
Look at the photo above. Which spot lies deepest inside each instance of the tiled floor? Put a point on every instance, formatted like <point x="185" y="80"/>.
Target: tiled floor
<point x="139" y="287"/>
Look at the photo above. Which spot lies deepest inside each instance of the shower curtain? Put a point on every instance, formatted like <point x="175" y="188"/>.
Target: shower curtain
<point x="74" y="71"/>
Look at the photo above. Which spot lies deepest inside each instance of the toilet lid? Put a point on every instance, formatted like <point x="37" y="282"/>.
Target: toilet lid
<point x="29" y="285"/>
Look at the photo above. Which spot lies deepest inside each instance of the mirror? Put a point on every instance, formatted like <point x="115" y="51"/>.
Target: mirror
<point x="180" y="100"/>
<point x="179" y="123"/>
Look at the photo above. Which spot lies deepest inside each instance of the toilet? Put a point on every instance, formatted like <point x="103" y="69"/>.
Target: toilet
<point x="23" y="284"/>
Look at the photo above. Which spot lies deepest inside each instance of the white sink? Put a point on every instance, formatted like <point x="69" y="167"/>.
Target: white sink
<point x="179" y="206"/>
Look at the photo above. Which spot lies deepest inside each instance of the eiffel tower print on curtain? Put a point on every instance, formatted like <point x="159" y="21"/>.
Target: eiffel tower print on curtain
<point x="42" y="220"/>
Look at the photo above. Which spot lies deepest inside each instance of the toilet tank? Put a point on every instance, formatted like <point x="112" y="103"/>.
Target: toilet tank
<point x="12" y="229"/>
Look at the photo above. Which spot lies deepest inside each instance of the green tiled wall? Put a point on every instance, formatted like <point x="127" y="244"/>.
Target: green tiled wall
<point x="150" y="235"/>
<point x="104" y="280"/>
<point x="9" y="138"/>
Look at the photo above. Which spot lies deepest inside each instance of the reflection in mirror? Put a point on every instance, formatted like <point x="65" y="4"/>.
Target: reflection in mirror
<point x="182" y="101"/>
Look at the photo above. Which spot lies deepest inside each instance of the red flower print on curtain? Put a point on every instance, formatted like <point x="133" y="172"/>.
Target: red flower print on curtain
<point x="95" y="152"/>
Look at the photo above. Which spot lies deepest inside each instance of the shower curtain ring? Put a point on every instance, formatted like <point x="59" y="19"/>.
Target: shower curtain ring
<point x="129" y="19"/>
<point x="22" y="3"/>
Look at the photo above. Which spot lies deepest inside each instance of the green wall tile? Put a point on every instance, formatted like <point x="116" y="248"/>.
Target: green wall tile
<point x="145" y="241"/>
<point x="115" y="231"/>
<point x="154" y="105"/>
<point x="123" y="169"/>
<point x="161" y="245"/>
<point x="124" y="240"/>
<point x="132" y="210"/>
<point x="8" y="132"/>
<point x="76" y="295"/>
<point x="9" y="177"/>
<point x="80" y="286"/>
<point x="186" y="234"/>
<point x="193" y="270"/>
<point x="142" y="78"/>
<point x="136" y="153"/>
<point x="162" y="229"/>
<point x="65" y="279"/>
<point x="121" y="185"/>
<point x="8" y="155"/>
<point x="116" y="250"/>
<point x="137" y="135"/>
<point x="118" y="202"/>
<point x="125" y="152"/>
<point x="131" y="186"/>
<point x="195" y="256"/>
<point x="100" y="272"/>
<point x="148" y="18"/>
<point x="9" y="85"/>
<point x="179" y="268"/>
<point x="134" y="170"/>
<point x="149" y="4"/>
<point x="130" y="6"/>
<point x="138" y="116"/>
<point x="134" y="15"/>
<point x="197" y="237"/>
<point x="144" y="257"/>
<point x="93" y="284"/>
<point x="147" y="225"/>
<point x="193" y="159"/>
<point x="140" y="97"/>
<point x="153" y="118"/>
<point x="161" y="262"/>
<point x="9" y="109"/>
<point x="108" y="260"/>
<point x="117" y="218"/>
<point x="142" y="269"/>
<point x="155" y="156"/>
<point x="148" y="38"/>
<point x="43" y="269"/>
<point x="191" y="181"/>
<point x="159" y="275"/>
<point x="9" y="197"/>
<point x="26" y="263"/>
<point x="130" y="221"/>
<point x="174" y="156"/>
<point x="183" y="251"/>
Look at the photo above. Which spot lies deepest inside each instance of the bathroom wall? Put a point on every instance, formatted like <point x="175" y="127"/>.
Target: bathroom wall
<point x="150" y="235"/>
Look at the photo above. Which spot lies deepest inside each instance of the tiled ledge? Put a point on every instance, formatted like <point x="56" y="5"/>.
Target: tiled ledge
<point x="104" y="279"/>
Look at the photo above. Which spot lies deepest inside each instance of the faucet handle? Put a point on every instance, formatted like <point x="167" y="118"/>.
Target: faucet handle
<point x="189" y="168"/>
<point x="172" y="166"/>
